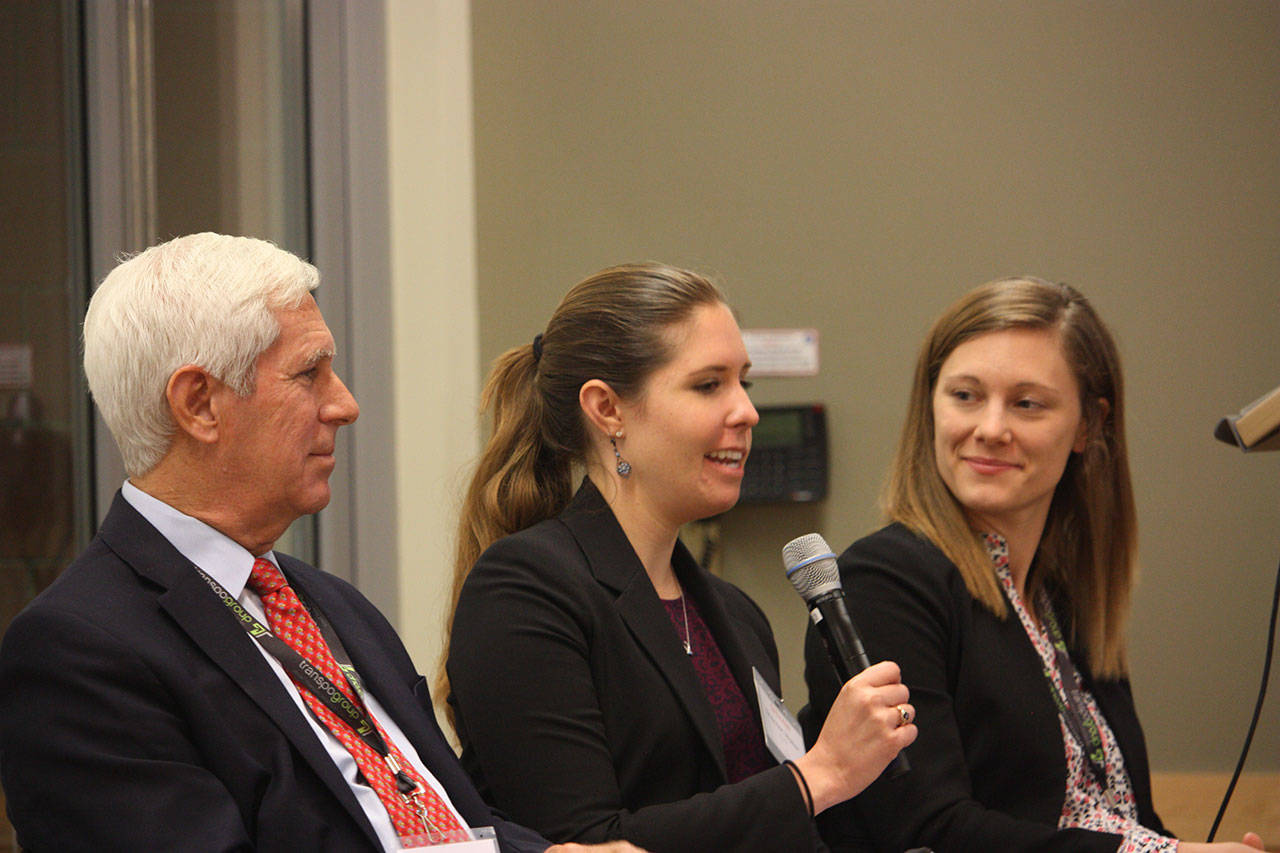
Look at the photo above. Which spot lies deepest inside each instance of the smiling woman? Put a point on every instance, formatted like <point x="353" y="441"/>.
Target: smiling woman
<point x="1002" y="588"/>
<point x="1007" y="417"/>
<point x="603" y="683"/>
<point x="686" y="436"/>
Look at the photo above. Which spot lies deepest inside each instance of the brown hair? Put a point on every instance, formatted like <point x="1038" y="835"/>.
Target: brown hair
<point x="610" y="327"/>
<point x="1087" y="554"/>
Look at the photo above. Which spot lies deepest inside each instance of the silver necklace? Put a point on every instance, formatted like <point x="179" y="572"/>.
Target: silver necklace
<point x="688" y="644"/>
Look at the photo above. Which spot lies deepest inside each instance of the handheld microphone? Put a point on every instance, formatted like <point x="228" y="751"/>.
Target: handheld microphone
<point x="812" y="570"/>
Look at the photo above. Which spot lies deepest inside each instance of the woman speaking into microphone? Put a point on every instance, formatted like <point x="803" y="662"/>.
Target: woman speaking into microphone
<point x="603" y="683"/>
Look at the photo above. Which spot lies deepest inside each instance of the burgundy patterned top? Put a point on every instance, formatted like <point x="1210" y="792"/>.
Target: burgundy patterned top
<point x="741" y="733"/>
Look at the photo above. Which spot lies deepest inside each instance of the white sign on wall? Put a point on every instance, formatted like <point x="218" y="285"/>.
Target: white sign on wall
<point x="782" y="352"/>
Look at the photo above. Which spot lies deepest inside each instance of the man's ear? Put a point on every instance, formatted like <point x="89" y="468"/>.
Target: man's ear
<point x="600" y="404"/>
<point x="192" y="397"/>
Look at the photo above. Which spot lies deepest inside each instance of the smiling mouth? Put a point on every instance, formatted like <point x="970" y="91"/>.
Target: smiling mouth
<point x="732" y="458"/>
<point x="990" y="465"/>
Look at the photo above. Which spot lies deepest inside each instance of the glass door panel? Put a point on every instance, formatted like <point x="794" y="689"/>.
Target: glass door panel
<point x="45" y="486"/>
<point x="44" y="481"/>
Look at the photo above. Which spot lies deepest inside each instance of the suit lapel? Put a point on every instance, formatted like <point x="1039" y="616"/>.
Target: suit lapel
<point x="369" y="654"/>
<point x="615" y="565"/>
<point x="197" y="611"/>
<point x="400" y="691"/>
<point x="741" y="650"/>
<point x="374" y="669"/>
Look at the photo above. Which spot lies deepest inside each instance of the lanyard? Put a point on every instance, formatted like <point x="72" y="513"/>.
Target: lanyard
<point x="1072" y="707"/>
<point x="307" y="676"/>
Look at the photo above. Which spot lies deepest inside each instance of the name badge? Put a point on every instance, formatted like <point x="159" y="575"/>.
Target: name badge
<point x="782" y="732"/>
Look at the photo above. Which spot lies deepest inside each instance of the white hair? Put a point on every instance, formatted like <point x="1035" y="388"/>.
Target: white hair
<point x="204" y="299"/>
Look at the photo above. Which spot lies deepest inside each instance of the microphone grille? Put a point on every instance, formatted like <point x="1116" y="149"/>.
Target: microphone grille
<point x="811" y="566"/>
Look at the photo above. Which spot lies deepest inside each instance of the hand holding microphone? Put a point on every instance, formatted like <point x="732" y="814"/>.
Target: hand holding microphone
<point x="870" y="722"/>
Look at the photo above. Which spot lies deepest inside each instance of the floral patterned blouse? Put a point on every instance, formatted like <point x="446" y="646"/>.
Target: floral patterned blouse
<point x="1086" y="805"/>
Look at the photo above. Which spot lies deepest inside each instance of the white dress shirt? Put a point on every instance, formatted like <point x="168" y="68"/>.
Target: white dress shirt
<point x="230" y="565"/>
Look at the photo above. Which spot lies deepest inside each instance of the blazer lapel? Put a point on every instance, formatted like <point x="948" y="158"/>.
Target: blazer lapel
<point x="197" y="611"/>
<point x="1115" y="702"/>
<point x="615" y="565"/>
<point x="741" y="650"/>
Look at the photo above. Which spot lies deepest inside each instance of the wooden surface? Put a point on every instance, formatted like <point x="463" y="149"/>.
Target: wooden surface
<point x="1188" y="803"/>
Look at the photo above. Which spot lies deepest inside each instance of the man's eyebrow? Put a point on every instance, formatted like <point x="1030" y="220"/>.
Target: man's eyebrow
<point x="319" y="355"/>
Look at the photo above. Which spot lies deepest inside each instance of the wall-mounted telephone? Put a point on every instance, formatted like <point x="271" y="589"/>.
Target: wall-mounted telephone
<point x="788" y="460"/>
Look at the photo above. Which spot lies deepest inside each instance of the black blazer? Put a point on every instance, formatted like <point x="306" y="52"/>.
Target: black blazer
<point x="988" y="769"/>
<point x="136" y="714"/>
<point x="580" y="714"/>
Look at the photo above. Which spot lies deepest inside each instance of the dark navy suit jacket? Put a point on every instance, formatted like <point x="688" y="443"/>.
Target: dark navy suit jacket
<point x="135" y="713"/>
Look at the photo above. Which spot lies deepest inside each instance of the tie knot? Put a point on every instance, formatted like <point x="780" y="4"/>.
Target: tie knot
<point x="265" y="577"/>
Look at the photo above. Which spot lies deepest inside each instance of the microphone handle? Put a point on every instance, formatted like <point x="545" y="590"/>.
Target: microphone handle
<point x="835" y="625"/>
<point x="831" y="614"/>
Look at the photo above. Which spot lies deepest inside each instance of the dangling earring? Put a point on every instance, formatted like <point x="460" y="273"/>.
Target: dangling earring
<point x="624" y="467"/>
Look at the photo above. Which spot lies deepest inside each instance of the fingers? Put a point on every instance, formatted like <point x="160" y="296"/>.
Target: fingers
<point x="883" y="681"/>
<point x="905" y="725"/>
<point x="1252" y="839"/>
<point x="880" y="674"/>
<point x="883" y="685"/>
<point x="871" y="721"/>
<point x="878" y="694"/>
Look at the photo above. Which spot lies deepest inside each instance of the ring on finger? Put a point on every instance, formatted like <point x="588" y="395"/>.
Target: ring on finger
<point x="904" y="715"/>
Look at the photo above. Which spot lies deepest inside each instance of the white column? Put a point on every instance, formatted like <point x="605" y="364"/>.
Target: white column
<point x="433" y="280"/>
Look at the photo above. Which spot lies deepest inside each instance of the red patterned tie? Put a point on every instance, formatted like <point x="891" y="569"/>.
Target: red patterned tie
<point x="289" y="620"/>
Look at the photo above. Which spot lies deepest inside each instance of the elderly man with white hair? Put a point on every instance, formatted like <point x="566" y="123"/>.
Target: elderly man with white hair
<point x="182" y="686"/>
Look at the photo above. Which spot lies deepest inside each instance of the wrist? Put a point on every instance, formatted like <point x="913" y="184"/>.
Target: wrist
<point x="804" y="786"/>
<point x="822" y="787"/>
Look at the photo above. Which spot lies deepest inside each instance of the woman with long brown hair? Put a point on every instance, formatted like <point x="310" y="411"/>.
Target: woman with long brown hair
<point x="603" y="683"/>
<point x="1002" y="587"/>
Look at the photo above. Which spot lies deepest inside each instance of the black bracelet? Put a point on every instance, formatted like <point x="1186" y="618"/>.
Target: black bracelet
<point x="808" y="795"/>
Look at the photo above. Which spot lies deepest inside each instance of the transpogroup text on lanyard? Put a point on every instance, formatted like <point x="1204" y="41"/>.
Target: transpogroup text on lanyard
<point x="345" y="711"/>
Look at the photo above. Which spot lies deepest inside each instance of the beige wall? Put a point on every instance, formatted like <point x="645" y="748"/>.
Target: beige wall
<point x="433" y="304"/>
<point x="854" y="166"/>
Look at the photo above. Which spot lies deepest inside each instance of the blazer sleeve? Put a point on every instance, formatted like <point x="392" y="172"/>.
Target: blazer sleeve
<point x="79" y="707"/>
<point x="910" y="605"/>
<point x="520" y="667"/>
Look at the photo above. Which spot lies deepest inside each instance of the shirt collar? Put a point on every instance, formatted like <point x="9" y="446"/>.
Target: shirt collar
<point x="997" y="549"/>
<point x="221" y="557"/>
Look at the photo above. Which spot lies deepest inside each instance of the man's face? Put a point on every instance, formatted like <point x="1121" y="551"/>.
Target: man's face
<point x="277" y="444"/>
